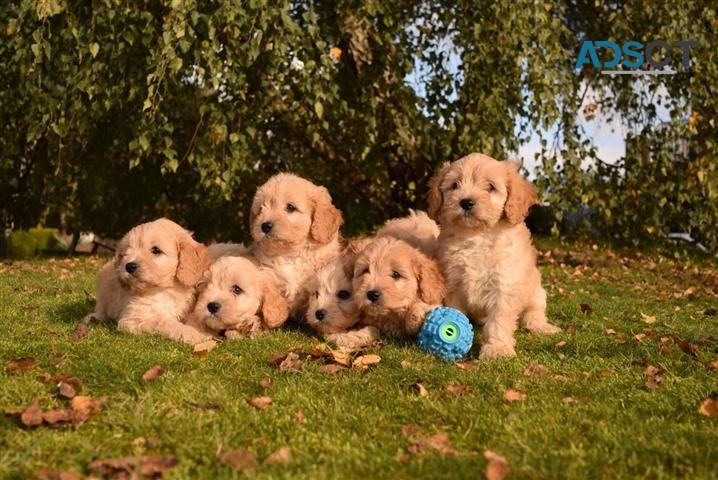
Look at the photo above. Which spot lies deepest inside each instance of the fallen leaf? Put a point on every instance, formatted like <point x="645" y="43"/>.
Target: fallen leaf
<point x="47" y="474"/>
<point x="149" y="466"/>
<point x="66" y="390"/>
<point x="239" y="459"/>
<point x="568" y="400"/>
<point x="497" y="468"/>
<point x="318" y="352"/>
<point x="534" y="369"/>
<point x="332" y="368"/>
<point x="571" y="329"/>
<point x="560" y="344"/>
<point x="471" y="367"/>
<point x="654" y="376"/>
<point x="686" y="346"/>
<point x="299" y="417"/>
<point x="418" y="389"/>
<point x="512" y="395"/>
<point x="266" y="383"/>
<point x="51" y="417"/>
<point x="606" y="373"/>
<point x="710" y="312"/>
<point x="260" y="403"/>
<point x="277" y="357"/>
<point x="202" y="349"/>
<point x="283" y="455"/>
<point x="409" y="430"/>
<point x="610" y="331"/>
<point x="84" y="407"/>
<point x="455" y="390"/>
<point x="365" y="361"/>
<point x="585" y="308"/>
<point x="563" y="378"/>
<point x="81" y="331"/>
<point x="648" y="318"/>
<point x="709" y="407"/>
<point x="714" y="365"/>
<point x="441" y="443"/>
<point x="22" y="364"/>
<point x="651" y="371"/>
<point x="291" y="363"/>
<point x="153" y="373"/>
<point x="32" y="415"/>
<point x="342" y="357"/>
<point x="639" y="337"/>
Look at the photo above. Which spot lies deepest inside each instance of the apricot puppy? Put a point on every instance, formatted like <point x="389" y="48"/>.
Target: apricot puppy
<point x="485" y="249"/>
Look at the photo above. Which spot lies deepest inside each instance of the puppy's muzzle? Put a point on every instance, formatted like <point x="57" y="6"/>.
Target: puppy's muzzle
<point x="214" y="307"/>
<point x="131" y="267"/>
<point x="320" y="314"/>
<point x="373" y="295"/>
<point x="466" y="204"/>
<point x="267" y="227"/>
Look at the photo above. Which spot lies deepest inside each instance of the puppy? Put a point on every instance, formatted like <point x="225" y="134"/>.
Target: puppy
<point x="485" y="249"/>
<point x="395" y="285"/>
<point x="295" y="229"/>
<point x="417" y="229"/>
<point x="149" y="285"/>
<point x="238" y="297"/>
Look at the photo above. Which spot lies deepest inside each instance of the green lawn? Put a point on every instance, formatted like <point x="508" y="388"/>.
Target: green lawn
<point x="589" y="415"/>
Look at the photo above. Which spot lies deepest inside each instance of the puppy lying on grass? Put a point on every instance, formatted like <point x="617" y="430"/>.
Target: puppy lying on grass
<point x="485" y="249"/>
<point x="149" y="286"/>
<point x="238" y="298"/>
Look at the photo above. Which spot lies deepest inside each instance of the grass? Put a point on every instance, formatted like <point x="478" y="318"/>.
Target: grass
<point x="589" y="416"/>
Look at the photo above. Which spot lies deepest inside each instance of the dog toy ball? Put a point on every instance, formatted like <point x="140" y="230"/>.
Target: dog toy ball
<point x="446" y="333"/>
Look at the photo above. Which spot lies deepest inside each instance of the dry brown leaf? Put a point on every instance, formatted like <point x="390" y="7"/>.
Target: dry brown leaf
<point x="153" y="373"/>
<point x="48" y="474"/>
<point x="291" y="363"/>
<point x="409" y="430"/>
<point x="149" y="466"/>
<point x="441" y="443"/>
<point x="283" y="455"/>
<point x="586" y="308"/>
<point x="202" y="349"/>
<point x="84" y="407"/>
<point x="32" y="415"/>
<point x="709" y="407"/>
<point x="471" y="367"/>
<point x="342" y="357"/>
<point x="260" y="403"/>
<point x="418" y="389"/>
<point x="81" y="331"/>
<point x="560" y="344"/>
<point x="266" y="383"/>
<point x="60" y="415"/>
<point x="568" y="400"/>
<point x="610" y="331"/>
<point x="455" y="390"/>
<point x="299" y="417"/>
<point x="714" y="365"/>
<point x="66" y="390"/>
<point x="639" y="337"/>
<point x="22" y="364"/>
<point x="649" y="319"/>
<point x="497" y="468"/>
<point x="512" y="395"/>
<point x="686" y="346"/>
<point x="651" y="371"/>
<point x="365" y="361"/>
<point x="332" y="368"/>
<point x="534" y="369"/>
<point x="239" y="459"/>
<point x="319" y="352"/>
<point x="606" y="373"/>
<point x="277" y="357"/>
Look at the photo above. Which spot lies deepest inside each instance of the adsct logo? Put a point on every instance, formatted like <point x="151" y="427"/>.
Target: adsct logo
<point x="634" y="55"/>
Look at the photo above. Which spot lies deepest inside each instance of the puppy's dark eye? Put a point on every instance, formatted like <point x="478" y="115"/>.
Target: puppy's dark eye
<point x="316" y="294"/>
<point x="156" y="251"/>
<point x="455" y="186"/>
<point x="291" y="208"/>
<point x="491" y="187"/>
<point x="365" y="271"/>
<point x="395" y="275"/>
<point x="343" y="294"/>
<point x="237" y="290"/>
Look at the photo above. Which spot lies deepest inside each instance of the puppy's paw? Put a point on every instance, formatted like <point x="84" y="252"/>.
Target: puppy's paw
<point x="496" y="350"/>
<point x="130" y="325"/>
<point x="543" y="328"/>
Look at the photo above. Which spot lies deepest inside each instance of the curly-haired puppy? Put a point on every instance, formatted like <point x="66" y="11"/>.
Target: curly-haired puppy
<point x="395" y="285"/>
<point x="238" y="297"/>
<point x="295" y="228"/>
<point x="149" y="286"/>
<point x="486" y="251"/>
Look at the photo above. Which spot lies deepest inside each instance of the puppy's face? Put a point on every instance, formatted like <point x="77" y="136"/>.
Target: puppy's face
<point x="390" y="276"/>
<point x="288" y="212"/>
<point x="157" y="254"/>
<point x="236" y="294"/>
<point x="476" y="192"/>
<point x="331" y="306"/>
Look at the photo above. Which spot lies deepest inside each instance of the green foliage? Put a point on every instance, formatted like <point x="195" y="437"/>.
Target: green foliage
<point x="116" y="112"/>
<point x="28" y="243"/>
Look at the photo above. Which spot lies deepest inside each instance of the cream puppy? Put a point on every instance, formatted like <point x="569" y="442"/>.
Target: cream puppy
<point x="149" y="286"/>
<point x="485" y="249"/>
<point x="295" y="228"/>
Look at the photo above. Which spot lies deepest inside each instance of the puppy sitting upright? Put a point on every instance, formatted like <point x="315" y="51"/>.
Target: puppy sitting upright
<point x="295" y="229"/>
<point x="486" y="251"/>
<point x="149" y="286"/>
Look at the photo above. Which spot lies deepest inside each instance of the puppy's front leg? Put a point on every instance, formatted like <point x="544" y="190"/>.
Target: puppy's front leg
<point x="168" y="328"/>
<point x="415" y="317"/>
<point x="354" y="339"/>
<point x="499" y="333"/>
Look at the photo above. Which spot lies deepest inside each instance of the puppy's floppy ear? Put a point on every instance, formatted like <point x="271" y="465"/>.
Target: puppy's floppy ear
<point x="432" y="286"/>
<point x="521" y="195"/>
<point x="435" y="197"/>
<point x="350" y="253"/>
<point x="194" y="259"/>
<point x="326" y="218"/>
<point x="275" y="308"/>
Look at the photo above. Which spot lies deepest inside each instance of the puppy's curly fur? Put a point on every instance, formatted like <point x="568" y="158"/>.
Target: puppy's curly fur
<point x="238" y="297"/>
<point x="395" y="286"/>
<point x="149" y="285"/>
<point x="295" y="228"/>
<point x="485" y="248"/>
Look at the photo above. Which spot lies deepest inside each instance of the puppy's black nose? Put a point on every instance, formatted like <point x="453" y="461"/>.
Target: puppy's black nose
<point x="466" y="204"/>
<point x="131" y="267"/>
<point x="320" y="314"/>
<point x="373" y="295"/>
<point x="267" y="227"/>
<point x="213" y="307"/>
